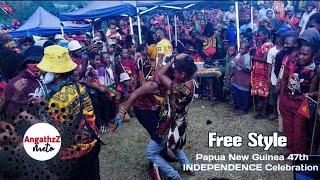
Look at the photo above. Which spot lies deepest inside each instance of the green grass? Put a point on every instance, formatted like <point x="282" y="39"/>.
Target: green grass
<point x="123" y="156"/>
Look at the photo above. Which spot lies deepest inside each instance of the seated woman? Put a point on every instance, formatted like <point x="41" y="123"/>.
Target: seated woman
<point x="161" y="106"/>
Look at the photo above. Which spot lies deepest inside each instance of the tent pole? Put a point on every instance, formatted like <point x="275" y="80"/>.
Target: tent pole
<point x="139" y="26"/>
<point x="131" y="28"/>
<point x="61" y="27"/>
<point x="139" y="30"/>
<point x="251" y="12"/>
<point x="175" y="30"/>
<point x="169" y="27"/>
<point x="92" y="24"/>
<point x="237" y="23"/>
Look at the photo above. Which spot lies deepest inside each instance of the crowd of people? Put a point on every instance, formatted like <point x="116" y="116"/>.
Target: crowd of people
<point x="94" y="82"/>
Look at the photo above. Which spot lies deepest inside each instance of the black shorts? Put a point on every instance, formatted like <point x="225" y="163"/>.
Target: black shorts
<point x="149" y="120"/>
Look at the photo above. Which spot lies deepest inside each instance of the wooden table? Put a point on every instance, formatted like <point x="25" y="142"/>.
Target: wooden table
<point x="209" y="74"/>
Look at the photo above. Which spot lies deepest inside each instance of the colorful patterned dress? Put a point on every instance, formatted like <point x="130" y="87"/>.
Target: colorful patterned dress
<point x="259" y="74"/>
<point x="173" y="115"/>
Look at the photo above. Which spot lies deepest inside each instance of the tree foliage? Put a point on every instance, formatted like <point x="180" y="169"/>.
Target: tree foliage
<point x="22" y="10"/>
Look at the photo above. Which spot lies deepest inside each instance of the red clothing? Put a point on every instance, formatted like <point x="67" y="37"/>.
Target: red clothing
<point x="294" y="124"/>
<point x="278" y="7"/>
<point x="285" y="60"/>
<point x="259" y="74"/>
<point x="129" y="64"/>
<point x="33" y="89"/>
<point x="150" y="101"/>
<point x="82" y="66"/>
<point x="294" y="21"/>
<point x="197" y="58"/>
<point x="300" y="78"/>
<point x="123" y="90"/>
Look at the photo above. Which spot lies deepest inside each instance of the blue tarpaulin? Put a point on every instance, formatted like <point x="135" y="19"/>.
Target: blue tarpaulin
<point x="168" y="7"/>
<point x="43" y="23"/>
<point x="100" y="9"/>
<point x="178" y="4"/>
<point x="171" y="6"/>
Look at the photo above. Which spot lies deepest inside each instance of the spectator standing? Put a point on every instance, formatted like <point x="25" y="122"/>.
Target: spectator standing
<point x="97" y="91"/>
<point x="263" y="11"/>
<point x="230" y="15"/>
<point x="290" y="19"/>
<point x="241" y="80"/>
<point x="299" y="78"/>
<point x="75" y="50"/>
<point x="310" y="10"/>
<point x="71" y="99"/>
<point x="164" y="47"/>
<point x="26" y="84"/>
<point x="272" y="97"/>
<point x="232" y="33"/>
<point x="259" y="75"/>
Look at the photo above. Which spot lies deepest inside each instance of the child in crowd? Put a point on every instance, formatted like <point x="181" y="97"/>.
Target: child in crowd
<point x="299" y="78"/>
<point x="143" y="64"/>
<point x="124" y="90"/>
<point x="129" y="66"/>
<point x="241" y="81"/>
<point x="127" y="62"/>
<point x="124" y="87"/>
<point x="132" y="50"/>
<point x="106" y="74"/>
<point x="106" y="78"/>
<point x="272" y="98"/>
<point x="259" y="75"/>
<point x="232" y="32"/>
<point x="97" y="91"/>
<point x="112" y="34"/>
<point x="231" y="54"/>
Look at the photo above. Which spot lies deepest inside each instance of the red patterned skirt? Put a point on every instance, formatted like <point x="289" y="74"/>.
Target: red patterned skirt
<point x="259" y="79"/>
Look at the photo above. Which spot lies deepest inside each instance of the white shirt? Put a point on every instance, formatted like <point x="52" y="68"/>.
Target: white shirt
<point x="304" y="20"/>
<point x="108" y="33"/>
<point x="263" y="13"/>
<point x="244" y="27"/>
<point x="228" y="16"/>
<point x="110" y="73"/>
<point x="107" y="79"/>
<point x="271" y="60"/>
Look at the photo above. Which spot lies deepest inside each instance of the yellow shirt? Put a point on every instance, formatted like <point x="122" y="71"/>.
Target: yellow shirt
<point x="164" y="47"/>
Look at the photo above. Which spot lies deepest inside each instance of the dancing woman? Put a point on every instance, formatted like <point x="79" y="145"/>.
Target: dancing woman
<point x="160" y="106"/>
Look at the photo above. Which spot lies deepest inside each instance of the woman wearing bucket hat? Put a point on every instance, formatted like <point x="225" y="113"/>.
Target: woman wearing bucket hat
<point x="26" y="84"/>
<point x="70" y="99"/>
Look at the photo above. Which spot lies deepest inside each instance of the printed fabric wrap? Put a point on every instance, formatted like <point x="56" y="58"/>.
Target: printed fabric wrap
<point x="173" y="121"/>
<point x="259" y="74"/>
<point x="68" y="98"/>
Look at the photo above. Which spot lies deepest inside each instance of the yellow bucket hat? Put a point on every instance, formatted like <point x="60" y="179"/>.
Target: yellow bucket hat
<point x="56" y="59"/>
